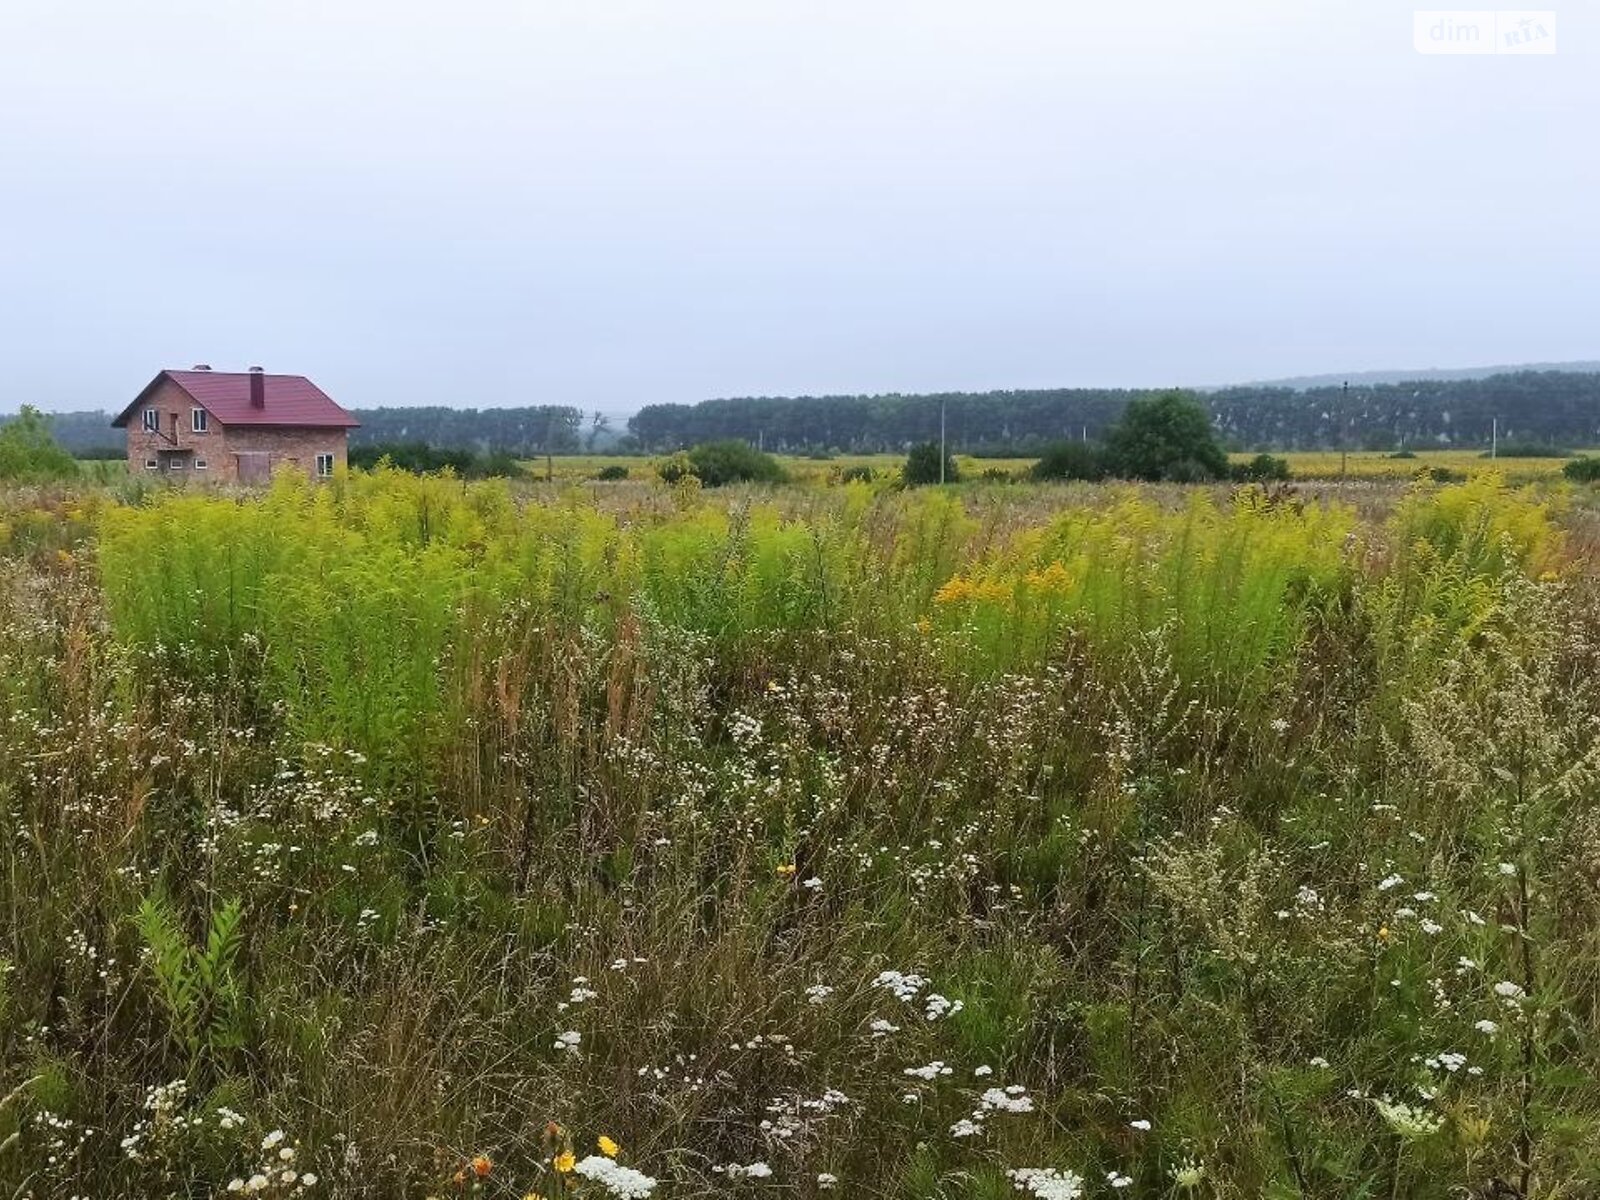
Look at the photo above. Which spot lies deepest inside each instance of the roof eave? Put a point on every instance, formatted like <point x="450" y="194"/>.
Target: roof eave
<point x="126" y="414"/>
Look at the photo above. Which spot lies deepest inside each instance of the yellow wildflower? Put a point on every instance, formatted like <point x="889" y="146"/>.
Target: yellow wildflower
<point x="1053" y="578"/>
<point x="608" y="1147"/>
<point x="957" y="589"/>
<point x="481" y="1166"/>
<point x="564" y="1162"/>
<point x="786" y="871"/>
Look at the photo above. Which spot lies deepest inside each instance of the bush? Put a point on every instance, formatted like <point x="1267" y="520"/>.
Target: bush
<point x="857" y="474"/>
<point x="675" y="468"/>
<point x="1070" y="460"/>
<point x="1526" y="450"/>
<point x="1404" y="454"/>
<point x="1583" y="470"/>
<point x="1444" y="475"/>
<point x="1263" y="468"/>
<point x="719" y="463"/>
<point x="420" y="458"/>
<point x="922" y="466"/>
<point x="1165" y="437"/>
<point x="611" y="473"/>
<point x="29" y="452"/>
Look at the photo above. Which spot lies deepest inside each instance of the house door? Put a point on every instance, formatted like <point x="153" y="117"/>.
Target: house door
<point x="255" y="466"/>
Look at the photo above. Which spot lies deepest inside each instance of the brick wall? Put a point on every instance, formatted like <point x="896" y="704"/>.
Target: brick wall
<point x="219" y="448"/>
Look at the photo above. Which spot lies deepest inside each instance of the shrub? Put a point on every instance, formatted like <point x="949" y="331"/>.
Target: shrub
<point x="29" y="452"/>
<point x="922" y="466"/>
<point x="856" y="474"/>
<point x="1404" y="454"/>
<point x="1526" y="450"/>
<point x="1165" y="437"/>
<point x="719" y="463"/>
<point x="1070" y="460"/>
<point x="611" y="473"/>
<point x="1263" y="468"/>
<point x="1583" y="470"/>
<point x="675" y="468"/>
<point x="420" y="458"/>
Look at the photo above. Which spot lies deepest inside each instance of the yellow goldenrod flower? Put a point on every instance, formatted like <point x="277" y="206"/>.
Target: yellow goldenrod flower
<point x="1053" y="578"/>
<point x="608" y="1147"/>
<point x="564" y="1162"/>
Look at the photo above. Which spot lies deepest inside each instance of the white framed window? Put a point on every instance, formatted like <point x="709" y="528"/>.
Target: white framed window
<point x="324" y="465"/>
<point x="200" y="420"/>
<point x="199" y="464"/>
<point x="151" y="464"/>
<point x="152" y="420"/>
<point x="177" y="464"/>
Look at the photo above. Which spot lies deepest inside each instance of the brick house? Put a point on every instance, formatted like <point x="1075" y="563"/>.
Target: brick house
<point x="233" y="426"/>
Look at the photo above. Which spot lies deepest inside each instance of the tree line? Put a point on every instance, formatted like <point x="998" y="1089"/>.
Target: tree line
<point x="1550" y="407"/>
<point x="1536" y="406"/>
<point x="520" y="432"/>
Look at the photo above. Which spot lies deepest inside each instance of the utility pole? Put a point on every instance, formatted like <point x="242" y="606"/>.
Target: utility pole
<point x="1344" y="424"/>
<point x="941" y="441"/>
<point x="1494" y="439"/>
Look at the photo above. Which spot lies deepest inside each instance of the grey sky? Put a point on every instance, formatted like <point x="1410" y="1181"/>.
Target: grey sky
<point x="607" y="203"/>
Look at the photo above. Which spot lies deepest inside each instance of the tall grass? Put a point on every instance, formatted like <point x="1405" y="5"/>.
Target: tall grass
<point x="431" y="831"/>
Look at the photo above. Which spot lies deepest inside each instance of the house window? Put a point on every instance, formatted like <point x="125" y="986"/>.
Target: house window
<point x="152" y="421"/>
<point x="324" y="465"/>
<point x="199" y="464"/>
<point x="200" y="419"/>
<point x="177" y="464"/>
<point x="151" y="464"/>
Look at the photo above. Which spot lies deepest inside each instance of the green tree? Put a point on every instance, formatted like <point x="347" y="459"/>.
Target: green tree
<point x="1263" y="468"/>
<point x="1070" y="460"/>
<point x="1165" y="437"/>
<point x="719" y="463"/>
<point x="28" y="451"/>
<point x="1583" y="470"/>
<point x="922" y="466"/>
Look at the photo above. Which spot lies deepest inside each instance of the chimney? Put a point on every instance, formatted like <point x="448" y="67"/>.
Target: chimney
<point x="201" y="367"/>
<point x="258" y="388"/>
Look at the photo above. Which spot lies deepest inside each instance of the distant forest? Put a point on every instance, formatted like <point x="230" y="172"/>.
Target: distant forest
<point x="1533" y="406"/>
<point x="1553" y="407"/>
<point x="525" y="432"/>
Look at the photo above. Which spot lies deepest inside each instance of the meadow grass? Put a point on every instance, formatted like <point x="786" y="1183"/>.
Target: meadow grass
<point x="401" y="837"/>
<point x="1307" y="465"/>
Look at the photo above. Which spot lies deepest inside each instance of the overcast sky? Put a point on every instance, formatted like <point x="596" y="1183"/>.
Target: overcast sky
<point x="608" y="204"/>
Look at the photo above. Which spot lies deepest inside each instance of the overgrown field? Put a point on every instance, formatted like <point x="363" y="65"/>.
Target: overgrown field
<point x="1303" y="464"/>
<point x="400" y="837"/>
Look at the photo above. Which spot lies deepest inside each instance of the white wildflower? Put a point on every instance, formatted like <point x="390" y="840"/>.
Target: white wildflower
<point x="622" y="1182"/>
<point x="1047" y="1183"/>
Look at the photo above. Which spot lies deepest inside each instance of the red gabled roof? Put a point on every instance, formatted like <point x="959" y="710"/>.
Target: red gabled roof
<point x="290" y="400"/>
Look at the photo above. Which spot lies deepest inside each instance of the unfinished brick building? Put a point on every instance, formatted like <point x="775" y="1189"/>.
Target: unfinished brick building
<point x="234" y="426"/>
